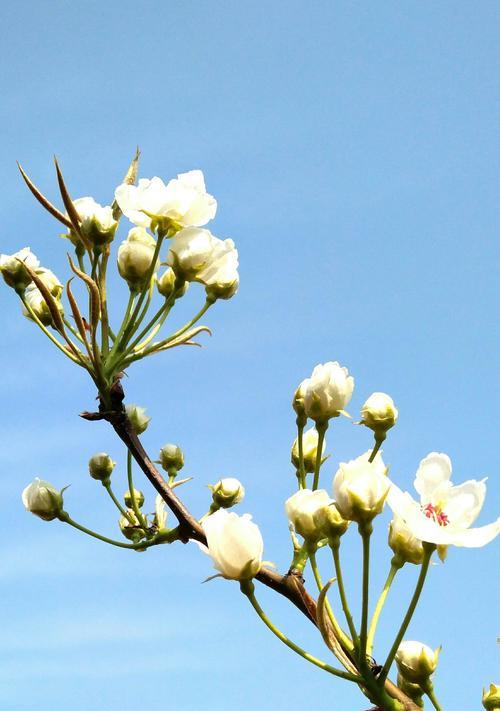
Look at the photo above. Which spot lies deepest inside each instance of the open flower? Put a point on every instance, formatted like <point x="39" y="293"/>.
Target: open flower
<point x="235" y="544"/>
<point x="445" y="513"/>
<point x="184" y="200"/>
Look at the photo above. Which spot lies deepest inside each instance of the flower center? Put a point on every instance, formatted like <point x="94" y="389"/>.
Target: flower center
<point x="437" y="514"/>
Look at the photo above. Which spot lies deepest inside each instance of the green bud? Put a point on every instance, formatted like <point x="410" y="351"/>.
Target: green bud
<point x="131" y="529"/>
<point x="227" y="492"/>
<point x="137" y="418"/>
<point x="404" y="544"/>
<point x="416" y="662"/>
<point x="101" y="466"/>
<point x="171" y="458"/>
<point x="329" y="523"/>
<point x="309" y="450"/>
<point x="491" y="698"/>
<point x="379" y="413"/>
<point x="298" y="400"/>
<point x="138" y="496"/>
<point x="168" y="282"/>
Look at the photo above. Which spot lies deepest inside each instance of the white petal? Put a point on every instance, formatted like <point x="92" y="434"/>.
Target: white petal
<point x="477" y="537"/>
<point x="464" y="502"/>
<point x="432" y="473"/>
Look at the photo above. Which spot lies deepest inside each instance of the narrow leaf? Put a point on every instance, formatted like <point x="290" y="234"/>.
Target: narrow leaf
<point x="47" y="296"/>
<point x="43" y="200"/>
<point x="130" y="178"/>
<point x="70" y="208"/>
<point x="95" y="297"/>
<point x="327" y="631"/>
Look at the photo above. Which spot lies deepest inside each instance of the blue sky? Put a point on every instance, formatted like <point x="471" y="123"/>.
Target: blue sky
<point x="351" y="148"/>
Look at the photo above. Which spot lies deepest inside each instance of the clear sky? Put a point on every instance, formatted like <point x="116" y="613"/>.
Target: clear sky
<point x="352" y="149"/>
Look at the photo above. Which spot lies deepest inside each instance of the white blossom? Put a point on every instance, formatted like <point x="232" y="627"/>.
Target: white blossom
<point x="327" y="391"/>
<point x="416" y="661"/>
<point x="14" y="274"/>
<point x="135" y="255"/>
<point x="234" y="543"/>
<point x="379" y="412"/>
<point x="445" y="513"/>
<point x="227" y="492"/>
<point x="97" y="221"/>
<point x="183" y="200"/>
<point x="360" y="488"/>
<point x="197" y="255"/>
<point x="309" y="449"/>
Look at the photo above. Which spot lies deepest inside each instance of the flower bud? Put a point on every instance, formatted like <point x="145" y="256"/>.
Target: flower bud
<point x="50" y="280"/>
<point x="329" y="523"/>
<point x="171" y="458"/>
<point x="416" y="661"/>
<point x="309" y="450"/>
<point x="234" y="543"/>
<point x="135" y="255"/>
<point x="43" y="500"/>
<point x="36" y="302"/>
<point x="98" y="223"/>
<point x="327" y="391"/>
<point x="298" y="398"/>
<point x="360" y="488"/>
<point x="130" y="527"/>
<point x="404" y="544"/>
<point x="227" y="492"/>
<point x="379" y="413"/>
<point x="138" y="496"/>
<point x="137" y="418"/>
<point x="491" y="698"/>
<point x="13" y="272"/>
<point x="101" y="466"/>
<point x="169" y="282"/>
<point x="301" y="509"/>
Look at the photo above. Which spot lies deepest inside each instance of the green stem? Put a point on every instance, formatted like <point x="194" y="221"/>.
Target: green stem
<point x="104" y="304"/>
<point x="365" y="530"/>
<point x="321" y="428"/>
<point x="379" y="438"/>
<point x="339" y="633"/>
<point x="429" y="548"/>
<point x="162" y="313"/>
<point x="66" y="518"/>
<point x="50" y="336"/>
<point x="395" y="566"/>
<point x="429" y="690"/>
<point x="247" y="588"/>
<point x="135" y="508"/>
<point x="343" y="598"/>
<point x="110" y="359"/>
<point x="120" y="508"/>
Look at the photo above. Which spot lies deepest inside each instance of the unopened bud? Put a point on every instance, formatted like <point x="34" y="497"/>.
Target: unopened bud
<point x="13" y="272"/>
<point x="301" y="509"/>
<point x="101" y="466"/>
<point x="168" y="282"/>
<point x="298" y="399"/>
<point x="329" y="522"/>
<point x="135" y="256"/>
<point x="379" y="413"/>
<point x="137" y="418"/>
<point x="36" y="306"/>
<point x="416" y="661"/>
<point x="404" y="544"/>
<point x="138" y="497"/>
<point x="171" y="458"/>
<point x="130" y="527"/>
<point x="43" y="500"/>
<point x="309" y="450"/>
<point x="98" y="223"/>
<point x="491" y="698"/>
<point x="227" y="492"/>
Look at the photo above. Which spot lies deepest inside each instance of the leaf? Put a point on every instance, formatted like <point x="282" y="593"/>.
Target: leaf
<point x="129" y="179"/>
<point x="43" y="200"/>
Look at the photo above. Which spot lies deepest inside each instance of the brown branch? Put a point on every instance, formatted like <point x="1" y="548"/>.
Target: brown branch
<point x="291" y="585"/>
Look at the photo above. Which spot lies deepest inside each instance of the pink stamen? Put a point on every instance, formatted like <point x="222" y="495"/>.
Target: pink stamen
<point x="436" y="514"/>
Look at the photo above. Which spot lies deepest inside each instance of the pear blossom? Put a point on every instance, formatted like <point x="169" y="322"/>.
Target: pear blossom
<point x="42" y="499"/>
<point x="360" y="487"/>
<point x="197" y="255"/>
<point x="36" y="302"/>
<point x="183" y="200"/>
<point x="234" y="543"/>
<point x="379" y="412"/>
<point x="491" y="697"/>
<point x="101" y="466"/>
<point x="14" y="274"/>
<point x="137" y="418"/>
<point x="309" y="449"/>
<point x="445" y="513"/>
<point x="404" y="544"/>
<point x="171" y="457"/>
<point x="327" y="391"/>
<point x="416" y="661"/>
<point x="301" y="509"/>
<point x="98" y="223"/>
